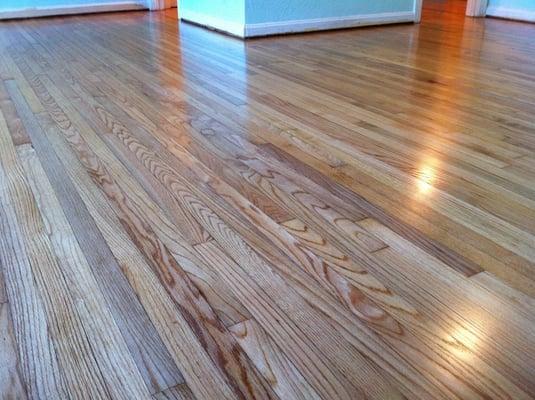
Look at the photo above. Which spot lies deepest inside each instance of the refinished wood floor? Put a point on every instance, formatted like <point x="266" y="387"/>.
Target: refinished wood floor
<point x="339" y="215"/>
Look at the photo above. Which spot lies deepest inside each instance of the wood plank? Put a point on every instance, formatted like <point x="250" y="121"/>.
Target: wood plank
<point x="73" y="348"/>
<point x="284" y="377"/>
<point x="287" y="331"/>
<point x="197" y="314"/>
<point x="14" y="124"/>
<point x="200" y="374"/>
<point x="15" y="73"/>
<point x="179" y="392"/>
<point x="334" y="215"/>
<point x="153" y="360"/>
<point x="38" y="362"/>
<point x="523" y="303"/>
<point x="450" y="258"/>
<point x="122" y="377"/>
<point x="11" y="384"/>
<point x="3" y="293"/>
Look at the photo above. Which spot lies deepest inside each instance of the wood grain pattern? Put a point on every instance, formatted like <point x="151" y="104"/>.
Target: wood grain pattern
<point x="11" y="384"/>
<point x="284" y="377"/>
<point x="336" y="215"/>
<point x="67" y="333"/>
<point x="191" y="358"/>
<point x="158" y="370"/>
<point x="113" y="356"/>
<point x="285" y="325"/>
<point x="196" y="311"/>
<point x="3" y="293"/>
<point x="180" y="392"/>
<point x="38" y="362"/>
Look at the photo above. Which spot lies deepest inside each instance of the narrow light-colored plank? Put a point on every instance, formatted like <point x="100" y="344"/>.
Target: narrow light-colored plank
<point x="14" y="124"/>
<point x="3" y="293"/>
<point x="15" y="73"/>
<point x="11" y="385"/>
<point x="524" y="303"/>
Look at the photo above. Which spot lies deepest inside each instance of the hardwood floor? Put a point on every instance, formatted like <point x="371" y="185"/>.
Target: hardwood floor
<point x="337" y="215"/>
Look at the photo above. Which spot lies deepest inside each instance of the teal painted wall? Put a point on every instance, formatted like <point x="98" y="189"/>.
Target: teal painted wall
<point x="227" y="10"/>
<point x="260" y="11"/>
<point x="527" y="5"/>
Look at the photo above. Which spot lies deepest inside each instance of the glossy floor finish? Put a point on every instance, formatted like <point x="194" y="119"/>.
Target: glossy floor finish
<point x="339" y="215"/>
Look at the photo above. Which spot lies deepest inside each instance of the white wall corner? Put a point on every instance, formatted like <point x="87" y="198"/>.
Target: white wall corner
<point x="155" y="5"/>
<point x="214" y="23"/>
<point x="319" y="24"/>
<point x="418" y="11"/>
<point x="476" y="8"/>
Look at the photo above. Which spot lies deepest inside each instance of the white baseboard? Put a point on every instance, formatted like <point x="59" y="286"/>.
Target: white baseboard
<point x="218" y="24"/>
<point x="320" y="24"/>
<point x="72" y="9"/>
<point x="511" y="13"/>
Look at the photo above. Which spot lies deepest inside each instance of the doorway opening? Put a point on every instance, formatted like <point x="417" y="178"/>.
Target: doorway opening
<point x="471" y="8"/>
